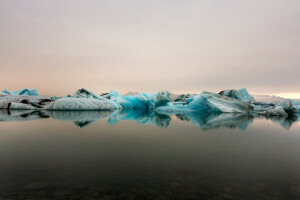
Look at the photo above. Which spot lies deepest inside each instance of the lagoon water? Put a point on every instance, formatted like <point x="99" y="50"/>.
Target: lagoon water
<point x="111" y="156"/>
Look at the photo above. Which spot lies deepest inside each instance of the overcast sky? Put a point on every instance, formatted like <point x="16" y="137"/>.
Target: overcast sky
<point x="58" y="46"/>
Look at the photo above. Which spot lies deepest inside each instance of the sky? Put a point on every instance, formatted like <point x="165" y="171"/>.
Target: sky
<point x="59" y="46"/>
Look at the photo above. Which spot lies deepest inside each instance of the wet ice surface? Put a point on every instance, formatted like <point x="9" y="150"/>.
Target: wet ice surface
<point x="143" y="155"/>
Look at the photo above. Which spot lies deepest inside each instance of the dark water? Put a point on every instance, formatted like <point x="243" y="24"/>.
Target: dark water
<point x="188" y="156"/>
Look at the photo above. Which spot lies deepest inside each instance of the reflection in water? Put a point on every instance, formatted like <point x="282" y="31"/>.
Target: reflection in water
<point x="80" y="118"/>
<point x="141" y="116"/>
<point x="285" y="122"/>
<point x="205" y="121"/>
<point x="21" y="115"/>
<point x="46" y="159"/>
<point x="216" y="120"/>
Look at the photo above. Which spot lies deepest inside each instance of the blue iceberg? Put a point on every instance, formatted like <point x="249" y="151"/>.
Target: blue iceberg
<point x="28" y="92"/>
<point x="296" y="104"/>
<point x="227" y="101"/>
<point x="207" y="102"/>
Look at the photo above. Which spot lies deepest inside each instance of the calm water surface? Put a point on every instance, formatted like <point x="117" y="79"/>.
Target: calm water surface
<point x="161" y="157"/>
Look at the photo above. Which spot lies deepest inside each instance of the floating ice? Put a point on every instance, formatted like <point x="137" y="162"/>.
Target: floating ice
<point x="141" y="100"/>
<point x="79" y="104"/>
<point x="26" y="91"/>
<point x="241" y="94"/>
<point x="227" y="101"/>
<point x="296" y="104"/>
<point x="208" y="102"/>
<point x="283" y="108"/>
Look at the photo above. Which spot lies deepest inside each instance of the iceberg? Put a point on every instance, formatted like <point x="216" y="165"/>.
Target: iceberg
<point x="283" y="108"/>
<point x="296" y="104"/>
<point x="141" y="100"/>
<point x="79" y="104"/>
<point x="84" y="99"/>
<point x="241" y="94"/>
<point x="211" y="102"/>
<point x="205" y="121"/>
<point x="26" y="91"/>
<point x="183" y="98"/>
<point x="208" y="102"/>
<point x="226" y="101"/>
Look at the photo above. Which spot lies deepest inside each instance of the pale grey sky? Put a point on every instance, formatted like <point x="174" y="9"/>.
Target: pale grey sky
<point x="58" y="46"/>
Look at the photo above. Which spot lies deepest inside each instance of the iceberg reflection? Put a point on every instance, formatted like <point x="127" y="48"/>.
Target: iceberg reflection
<point x="205" y="121"/>
<point x="80" y="118"/>
<point x="208" y="121"/>
<point x="21" y="115"/>
<point x="285" y="122"/>
<point x="142" y="116"/>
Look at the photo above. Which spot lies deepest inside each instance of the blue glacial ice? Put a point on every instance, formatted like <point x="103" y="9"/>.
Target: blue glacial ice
<point x="227" y="101"/>
<point x="296" y="104"/>
<point x="26" y="91"/>
<point x="87" y="100"/>
<point x="207" y="102"/>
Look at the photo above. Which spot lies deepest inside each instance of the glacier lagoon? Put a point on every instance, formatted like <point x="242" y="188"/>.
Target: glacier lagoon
<point x="166" y="152"/>
<point x="141" y="154"/>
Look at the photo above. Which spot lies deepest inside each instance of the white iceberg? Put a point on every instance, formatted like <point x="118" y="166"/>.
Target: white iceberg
<point x="283" y="108"/>
<point x="79" y="104"/>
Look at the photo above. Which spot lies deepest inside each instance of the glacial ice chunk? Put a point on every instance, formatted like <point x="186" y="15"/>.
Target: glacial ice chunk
<point x="26" y="91"/>
<point x="296" y="104"/>
<point x="241" y="94"/>
<point x="79" y="104"/>
<point x="211" y="102"/>
<point x="208" y="102"/>
<point x="283" y="108"/>
<point x="141" y="100"/>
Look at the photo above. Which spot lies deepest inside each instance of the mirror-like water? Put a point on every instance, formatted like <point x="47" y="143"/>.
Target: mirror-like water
<point x="143" y="155"/>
